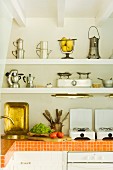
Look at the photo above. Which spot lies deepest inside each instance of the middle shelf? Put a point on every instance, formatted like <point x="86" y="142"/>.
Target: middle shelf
<point x="59" y="61"/>
<point x="58" y="90"/>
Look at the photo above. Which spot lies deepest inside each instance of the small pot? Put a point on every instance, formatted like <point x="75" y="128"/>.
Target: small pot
<point x="107" y="83"/>
<point x="57" y="127"/>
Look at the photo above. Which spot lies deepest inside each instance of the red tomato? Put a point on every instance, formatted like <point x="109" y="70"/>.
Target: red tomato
<point x="53" y="135"/>
<point x="60" y="134"/>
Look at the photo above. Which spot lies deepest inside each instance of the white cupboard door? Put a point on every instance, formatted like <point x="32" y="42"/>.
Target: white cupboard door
<point x="49" y="160"/>
<point x="40" y="160"/>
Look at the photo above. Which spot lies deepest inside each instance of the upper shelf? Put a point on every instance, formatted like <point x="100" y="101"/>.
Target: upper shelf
<point x="59" y="61"/>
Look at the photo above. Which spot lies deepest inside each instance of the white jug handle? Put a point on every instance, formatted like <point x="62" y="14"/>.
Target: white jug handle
<point x="14" y="53"/>
<point x="37" y="52"/>
<point x="38" y="47"/>
<point x="14" y="44"/>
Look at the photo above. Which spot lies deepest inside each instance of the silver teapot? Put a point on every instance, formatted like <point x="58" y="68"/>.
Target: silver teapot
<point x="13" y="78"/>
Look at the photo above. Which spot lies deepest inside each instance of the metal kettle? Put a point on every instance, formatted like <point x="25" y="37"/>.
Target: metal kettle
<point x="13" y="78"/>
<point x="93" y="46"/>
<point x="29" y="80"/>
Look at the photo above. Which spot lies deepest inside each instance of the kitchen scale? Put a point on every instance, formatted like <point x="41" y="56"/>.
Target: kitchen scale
<point x="81" y="124"/>
<point x="104" y="124"/>
<point x="66" y="81"/>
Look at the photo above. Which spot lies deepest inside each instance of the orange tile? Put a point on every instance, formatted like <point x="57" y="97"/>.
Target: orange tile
<point x="8" y="147"/>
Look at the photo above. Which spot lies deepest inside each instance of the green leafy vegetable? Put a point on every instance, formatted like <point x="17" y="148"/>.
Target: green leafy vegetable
<point x="41" y="129"/>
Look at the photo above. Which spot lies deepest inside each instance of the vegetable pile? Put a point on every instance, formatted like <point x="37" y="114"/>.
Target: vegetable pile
<point x="41" y="129"/>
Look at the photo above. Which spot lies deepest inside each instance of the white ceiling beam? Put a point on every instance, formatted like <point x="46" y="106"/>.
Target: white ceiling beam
<point x="17" y="12"/>
<point x="104" y="14"/>
<point x="60" y="12"/>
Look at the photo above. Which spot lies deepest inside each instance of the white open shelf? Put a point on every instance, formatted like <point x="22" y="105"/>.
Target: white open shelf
<point x="58" y="90"/>
<point x="59" y="61"/>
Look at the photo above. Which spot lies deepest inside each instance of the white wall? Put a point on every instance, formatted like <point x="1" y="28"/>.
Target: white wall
<point x="5" y="30"/>
<point x="38" y="30"/>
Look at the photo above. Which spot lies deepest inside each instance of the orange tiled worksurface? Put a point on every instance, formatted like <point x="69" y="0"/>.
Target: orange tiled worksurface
<point x="9" y="146"/>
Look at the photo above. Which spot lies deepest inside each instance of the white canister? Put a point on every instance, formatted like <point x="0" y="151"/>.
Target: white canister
<point x="44" y="54"/>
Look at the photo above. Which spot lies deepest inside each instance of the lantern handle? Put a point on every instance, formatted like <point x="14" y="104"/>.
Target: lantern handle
<point x="96" y="29"/>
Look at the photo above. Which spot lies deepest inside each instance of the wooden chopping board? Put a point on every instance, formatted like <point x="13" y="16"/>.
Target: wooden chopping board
<point x="48" y="139"/>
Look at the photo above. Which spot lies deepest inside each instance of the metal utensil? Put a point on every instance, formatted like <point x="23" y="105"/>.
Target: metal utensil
<point x="64" y="74"/>
<point x="94" y="43"/>
<point x="29" y="81"/>
<point x="107" y="83"/>
<point x="18" y="43"/>
<point x="80" y="74"/>
<point x="13" y="78"/>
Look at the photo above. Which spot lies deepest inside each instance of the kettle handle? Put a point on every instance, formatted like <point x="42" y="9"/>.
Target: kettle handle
<point x="96" y="29"/>
<point x="100" y="79"/>
<point x="20" y="74"/>
<point x="24" y="79"/>
<point x="7" y="74"/>
<point x="19" y="77"/>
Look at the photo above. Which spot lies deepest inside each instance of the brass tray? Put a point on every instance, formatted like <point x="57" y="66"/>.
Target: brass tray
<point x="19" y="113"/>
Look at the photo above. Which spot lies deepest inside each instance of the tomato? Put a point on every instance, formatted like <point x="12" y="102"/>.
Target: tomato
<point x="53" y="135"/>
<point x="60" y="134"/>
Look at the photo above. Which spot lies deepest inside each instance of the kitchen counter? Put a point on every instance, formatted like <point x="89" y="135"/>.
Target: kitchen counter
<point x="9" y="146"/>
